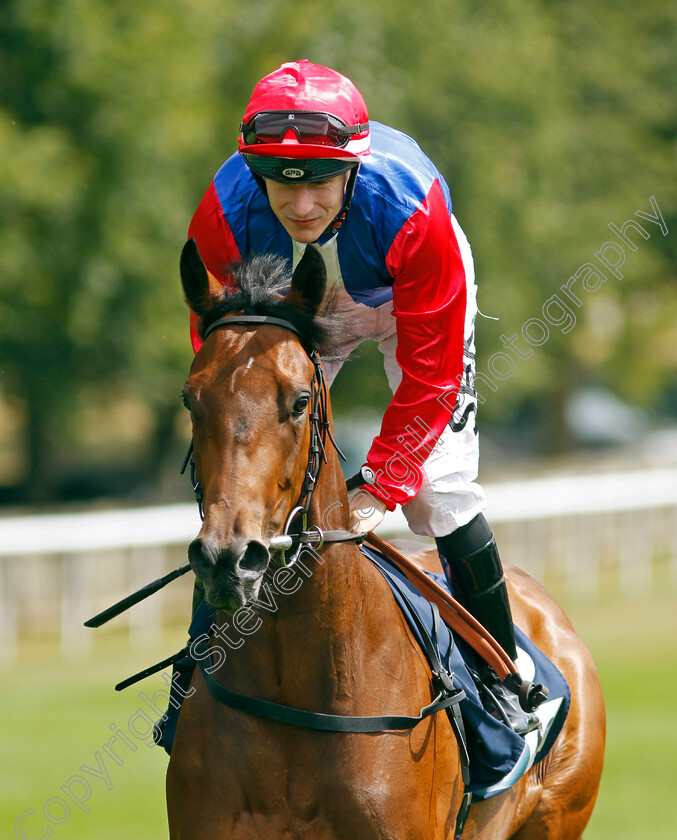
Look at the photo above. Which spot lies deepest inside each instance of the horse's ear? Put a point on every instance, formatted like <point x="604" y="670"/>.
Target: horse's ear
<point x="309" y="282"/>
<point x="199" y="286"/>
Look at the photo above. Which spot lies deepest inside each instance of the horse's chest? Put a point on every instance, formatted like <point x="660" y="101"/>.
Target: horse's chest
<point x="284" y="783"/>
<point x="241" y="777"/>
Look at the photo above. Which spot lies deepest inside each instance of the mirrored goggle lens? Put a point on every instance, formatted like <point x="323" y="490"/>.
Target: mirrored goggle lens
<point x="312" y="127"/>
<point x="288" y="170"/>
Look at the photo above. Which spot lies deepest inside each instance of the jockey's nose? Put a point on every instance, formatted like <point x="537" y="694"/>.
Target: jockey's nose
<point x="302" y="202"/>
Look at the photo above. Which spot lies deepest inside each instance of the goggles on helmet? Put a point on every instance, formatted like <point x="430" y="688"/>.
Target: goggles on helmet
<point x="313" y="127"/>
<point x="291" y="170"/>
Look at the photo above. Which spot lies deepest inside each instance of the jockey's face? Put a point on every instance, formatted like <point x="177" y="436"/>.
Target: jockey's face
<point x="306" y="209"/>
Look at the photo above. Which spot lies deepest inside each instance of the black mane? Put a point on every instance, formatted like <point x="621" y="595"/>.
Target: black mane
<point x="260" y="286"/>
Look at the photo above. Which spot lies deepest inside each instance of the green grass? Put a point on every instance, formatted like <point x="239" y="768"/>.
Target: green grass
<point x="635" y="647"/>
<point x="56" y="716"/>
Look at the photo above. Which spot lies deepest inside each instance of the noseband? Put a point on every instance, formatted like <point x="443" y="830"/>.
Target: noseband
<point x="319" y="431"/>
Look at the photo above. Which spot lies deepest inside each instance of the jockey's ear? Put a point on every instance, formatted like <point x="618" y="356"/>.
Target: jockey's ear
<point x="199" y="286"/>
<point x="309" y="281"/>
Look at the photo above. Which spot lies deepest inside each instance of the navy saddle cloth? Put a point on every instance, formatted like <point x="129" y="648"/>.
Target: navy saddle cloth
<point x="493" y="747"/>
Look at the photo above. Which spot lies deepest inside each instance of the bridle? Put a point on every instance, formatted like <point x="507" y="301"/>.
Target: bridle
<point x="319" y="432"/>
<point x="314" y="536"/>
<point x="447" y="697"/>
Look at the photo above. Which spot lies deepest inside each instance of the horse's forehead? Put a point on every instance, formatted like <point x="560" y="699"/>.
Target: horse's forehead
<point x="254" y="356"/>
<point x="273" y="350"/>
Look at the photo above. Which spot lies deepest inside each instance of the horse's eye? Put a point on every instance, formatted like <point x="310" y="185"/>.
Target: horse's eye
<point x="184" y="400"/>
<point x="300" y="405"/>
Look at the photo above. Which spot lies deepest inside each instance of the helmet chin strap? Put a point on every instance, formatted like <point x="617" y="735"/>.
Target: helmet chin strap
<point x="260" y="182"/>
<point x="333" y="228"/>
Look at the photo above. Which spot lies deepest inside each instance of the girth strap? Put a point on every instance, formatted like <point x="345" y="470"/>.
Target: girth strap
<point x="324" y="722"/>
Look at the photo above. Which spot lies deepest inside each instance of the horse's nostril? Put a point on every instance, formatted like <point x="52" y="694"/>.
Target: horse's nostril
<point x="254" y="558"/>
<point x="201" y="559"/>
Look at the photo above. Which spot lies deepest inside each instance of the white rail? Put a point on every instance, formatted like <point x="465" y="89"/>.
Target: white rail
<point x="68" y="533"/>
<point x="58" y="569"/>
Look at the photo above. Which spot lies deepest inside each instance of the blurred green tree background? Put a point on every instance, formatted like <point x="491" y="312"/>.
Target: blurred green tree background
<point x="549" y="120"/>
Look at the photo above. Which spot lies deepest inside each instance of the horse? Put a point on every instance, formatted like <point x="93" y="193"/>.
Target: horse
<point x="335" y="641"/>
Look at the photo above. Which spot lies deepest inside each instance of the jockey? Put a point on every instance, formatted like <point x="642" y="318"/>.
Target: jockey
<point x="311" y="168"/>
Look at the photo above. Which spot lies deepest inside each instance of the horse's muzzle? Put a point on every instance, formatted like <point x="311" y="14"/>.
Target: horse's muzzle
<point x="231" y="573"/>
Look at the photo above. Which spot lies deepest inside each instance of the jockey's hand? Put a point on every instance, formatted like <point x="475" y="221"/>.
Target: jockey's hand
<point x="366" y="511"/>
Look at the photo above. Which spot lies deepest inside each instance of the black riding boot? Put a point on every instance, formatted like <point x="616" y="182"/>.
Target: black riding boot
<point x="473" y="566"/>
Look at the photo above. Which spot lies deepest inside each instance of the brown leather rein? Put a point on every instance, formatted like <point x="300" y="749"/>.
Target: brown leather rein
<point x="451" y="612"/>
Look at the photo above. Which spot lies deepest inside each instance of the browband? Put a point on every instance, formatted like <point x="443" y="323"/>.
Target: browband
<point x="250" y="319"/>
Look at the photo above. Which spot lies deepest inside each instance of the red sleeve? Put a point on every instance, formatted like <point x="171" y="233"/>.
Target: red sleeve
<point x="216" y="244"/>
<point x="429" y="300"/>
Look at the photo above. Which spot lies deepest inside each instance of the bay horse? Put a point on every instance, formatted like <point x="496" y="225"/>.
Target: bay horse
<point x="337" y="643"/>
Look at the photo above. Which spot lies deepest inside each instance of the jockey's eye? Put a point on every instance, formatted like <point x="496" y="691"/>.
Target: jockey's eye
<point x="300" y="405"/>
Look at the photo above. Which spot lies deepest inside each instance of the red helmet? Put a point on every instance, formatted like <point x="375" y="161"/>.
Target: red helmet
<point x="308" y="113"/>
